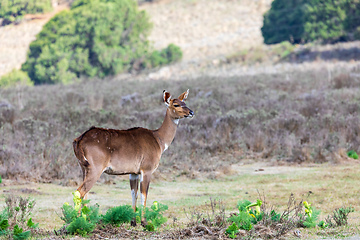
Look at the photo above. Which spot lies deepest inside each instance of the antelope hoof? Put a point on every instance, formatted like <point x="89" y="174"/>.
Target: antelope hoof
<point x="143" y="223"/>
<point x="133" y="223"/>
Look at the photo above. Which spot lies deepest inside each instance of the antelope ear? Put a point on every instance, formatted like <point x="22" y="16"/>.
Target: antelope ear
<point x="166" y="97"/>
<point x="184" y="95"/>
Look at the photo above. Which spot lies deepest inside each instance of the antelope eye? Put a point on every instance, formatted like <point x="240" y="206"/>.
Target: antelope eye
<point x="176" y="105"/>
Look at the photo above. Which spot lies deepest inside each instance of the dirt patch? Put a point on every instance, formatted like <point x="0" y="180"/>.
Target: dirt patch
<point x="23" y="191"/>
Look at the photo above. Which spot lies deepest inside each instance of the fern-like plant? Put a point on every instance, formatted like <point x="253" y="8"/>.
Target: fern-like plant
<point x="20" y="234"/>
<point x="118" y="215"/>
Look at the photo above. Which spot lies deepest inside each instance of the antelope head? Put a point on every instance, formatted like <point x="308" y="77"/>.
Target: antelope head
<point x="177" y="107"/>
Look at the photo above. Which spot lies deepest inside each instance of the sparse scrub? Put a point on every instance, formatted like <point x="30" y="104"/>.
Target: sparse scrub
<point x="267" y="222"/>
<point x="294" y="117"/>
<point x="15" y="220"/>
<point x="339" y="217"/>
<point x="212" y="215"/>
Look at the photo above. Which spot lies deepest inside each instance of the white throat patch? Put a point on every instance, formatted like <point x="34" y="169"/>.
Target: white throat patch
<point x="176" y="121"/>
<point x="166" y="147"/>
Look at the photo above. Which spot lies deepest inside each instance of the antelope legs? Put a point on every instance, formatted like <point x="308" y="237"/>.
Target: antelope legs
<point x="144" y="187"/>
<point x="90" y="177"/>
<point x="134" y="184"/>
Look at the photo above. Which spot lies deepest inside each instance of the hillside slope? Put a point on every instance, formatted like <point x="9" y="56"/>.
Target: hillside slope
<point x="204" y="29"/>
<point x="207" y="28"/>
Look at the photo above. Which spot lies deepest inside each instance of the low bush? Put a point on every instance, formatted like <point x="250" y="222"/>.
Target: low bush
<point x="154" y="216"/>
<point x="15" y="78"/>
<point x="339" y="217"/>
<point x="170" y="54"/>
<point x="118" y="215"/>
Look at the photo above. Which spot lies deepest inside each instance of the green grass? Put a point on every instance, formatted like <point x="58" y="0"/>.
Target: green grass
<point x="332" y="186"/>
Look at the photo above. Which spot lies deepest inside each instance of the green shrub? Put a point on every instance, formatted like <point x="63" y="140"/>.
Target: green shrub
<point x="281" y="24"/>
<point x="119" y="215"/>
<point x="309" y="20"/>
<point x="154" y="216"/>
<point x="19" y="234"/>
<point x="95" y="38"/>
<point x="15" y="78"/>
<point x="247" y="216"/>
<point x="324" y="20"/>
<point x="352" y="154"/>
<point x="243" y="220"/>
<point x="352" y="20"/>
<point x="14" y="10"/>
<point x="69" y="213"/>
<point x="339" y="217"/>
<point x="80" y="226"/>
<point x="83" y="223"/>
<point x="232" y="230"/>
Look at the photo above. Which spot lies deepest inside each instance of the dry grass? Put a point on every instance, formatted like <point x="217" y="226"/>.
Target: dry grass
<point x="290" y="117"/>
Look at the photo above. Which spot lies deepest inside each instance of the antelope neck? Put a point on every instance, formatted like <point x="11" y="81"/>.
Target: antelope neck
<point x="166" y="132"/>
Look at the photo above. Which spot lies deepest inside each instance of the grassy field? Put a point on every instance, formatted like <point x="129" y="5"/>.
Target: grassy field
<point x="331" y="186"/>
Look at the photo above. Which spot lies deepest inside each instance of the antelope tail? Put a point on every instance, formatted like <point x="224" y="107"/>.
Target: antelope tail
<point x="79" y="151"/>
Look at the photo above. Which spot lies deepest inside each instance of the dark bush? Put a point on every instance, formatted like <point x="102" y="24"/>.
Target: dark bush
<point x="284" y="22"/>
<point x="310" y="20"/>
<point x="14" y="10"/>
<point x="352" y="21"/>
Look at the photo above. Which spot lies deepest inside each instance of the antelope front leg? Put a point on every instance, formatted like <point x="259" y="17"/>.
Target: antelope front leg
<point x="134" y="184"/>
<point x="144" y="187"/>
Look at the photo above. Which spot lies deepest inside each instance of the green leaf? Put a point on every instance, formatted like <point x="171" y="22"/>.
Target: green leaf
<point x="19" y="234"/>
<point x="4" y="224"/>
<point x="31" y="224"/>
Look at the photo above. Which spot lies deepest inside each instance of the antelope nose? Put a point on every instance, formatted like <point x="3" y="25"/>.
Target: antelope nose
<point x="191" y="113"/>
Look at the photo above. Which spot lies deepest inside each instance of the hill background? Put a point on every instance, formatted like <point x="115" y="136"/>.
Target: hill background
<point x="204" y="29"/>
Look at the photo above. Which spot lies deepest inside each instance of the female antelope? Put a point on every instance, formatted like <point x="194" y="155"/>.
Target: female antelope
<point x="135" y="151"/>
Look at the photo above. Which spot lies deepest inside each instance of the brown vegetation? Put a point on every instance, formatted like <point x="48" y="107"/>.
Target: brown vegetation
<point x="296" y="116"/>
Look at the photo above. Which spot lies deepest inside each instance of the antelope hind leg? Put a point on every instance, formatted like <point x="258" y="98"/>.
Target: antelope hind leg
<point x="144" y="187"/>
<point x="134" y="184"/>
